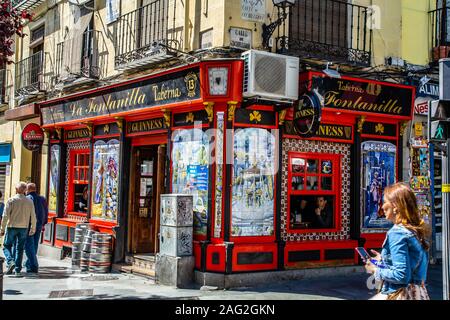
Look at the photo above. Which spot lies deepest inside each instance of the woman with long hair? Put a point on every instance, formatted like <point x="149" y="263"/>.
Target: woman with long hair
<point x="403" y="261"/>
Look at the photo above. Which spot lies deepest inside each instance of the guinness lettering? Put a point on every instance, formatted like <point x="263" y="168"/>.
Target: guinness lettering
<point x="77" y="134"/>
<point x="146" y="125"/>
<point x="307" y="115"/>
<point x="335" y="131"/>
<point x="329" y="131"/>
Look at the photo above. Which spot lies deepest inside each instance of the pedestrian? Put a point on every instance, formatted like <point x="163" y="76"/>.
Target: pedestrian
<point x="403" y="261"/>
<point x="32" y="242"/>
<point x="19" y="220"/>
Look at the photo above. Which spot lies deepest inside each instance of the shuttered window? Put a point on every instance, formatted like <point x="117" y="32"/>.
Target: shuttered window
<point x="2" y="178"/>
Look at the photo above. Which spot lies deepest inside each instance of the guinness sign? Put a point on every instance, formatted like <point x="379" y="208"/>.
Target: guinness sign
<point x="32" y="137"/>
<point x="307" y="115"/>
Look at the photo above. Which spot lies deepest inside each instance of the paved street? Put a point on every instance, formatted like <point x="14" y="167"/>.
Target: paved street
<point x="56" y="281"/>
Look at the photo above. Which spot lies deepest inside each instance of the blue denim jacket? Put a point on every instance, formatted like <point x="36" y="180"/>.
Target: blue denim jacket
<point x="405" y="259"/>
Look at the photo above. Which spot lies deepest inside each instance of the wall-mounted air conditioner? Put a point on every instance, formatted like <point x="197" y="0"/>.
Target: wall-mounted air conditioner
<point x="270" y="76"/>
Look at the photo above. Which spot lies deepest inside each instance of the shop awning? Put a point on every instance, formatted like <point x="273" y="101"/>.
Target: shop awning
<point x="5" y="153"/>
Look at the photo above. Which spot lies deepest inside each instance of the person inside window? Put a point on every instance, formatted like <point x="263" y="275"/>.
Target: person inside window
<point x="323" y="214"/>
<point x="82" y="204"/>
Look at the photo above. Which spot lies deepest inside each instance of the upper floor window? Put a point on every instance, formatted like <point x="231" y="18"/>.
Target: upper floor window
<point x="331" y="30"/>
<point x="38" y="34"/>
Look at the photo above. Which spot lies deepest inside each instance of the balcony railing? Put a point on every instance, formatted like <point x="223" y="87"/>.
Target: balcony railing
<point x="82" y="56"/>
<point x="142" y="35"/>
<point x="2" y="86"/>
<point x="26" y="4"/>
<point x="30" y="73"/>
<point x="328" y="30"/>
<point x="440" y="33"/>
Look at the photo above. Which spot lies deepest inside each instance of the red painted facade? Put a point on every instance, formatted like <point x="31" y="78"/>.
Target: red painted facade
<point x="230" y="253"/>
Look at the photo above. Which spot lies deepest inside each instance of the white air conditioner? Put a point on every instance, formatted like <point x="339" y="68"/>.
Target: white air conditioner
<point x="270" y="76"/>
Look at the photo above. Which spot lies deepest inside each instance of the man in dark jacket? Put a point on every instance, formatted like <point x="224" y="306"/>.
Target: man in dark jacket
<point x="32" y="243"/>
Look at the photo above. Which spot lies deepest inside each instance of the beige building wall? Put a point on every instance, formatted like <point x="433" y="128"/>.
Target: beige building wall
<point x="186" y="25"/>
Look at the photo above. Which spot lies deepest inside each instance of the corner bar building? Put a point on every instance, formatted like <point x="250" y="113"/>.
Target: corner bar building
<point x="115" y="150"/>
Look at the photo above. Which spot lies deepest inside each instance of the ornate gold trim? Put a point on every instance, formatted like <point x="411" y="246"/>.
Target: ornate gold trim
<point x="403" y="126"/>
<point x="361" y="121"/>
<point x="166" y="115"/>
<point x="282" y="116"/>
<point x="90" y="127"/>
<point x="58" y="132"/>
<point x="209" y="107"/>
<point x="119" y="121"/>
<point x="231" y="109"/>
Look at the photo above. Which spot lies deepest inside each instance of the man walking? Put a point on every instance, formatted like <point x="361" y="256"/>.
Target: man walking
<point x="32" y="242"/>
<point x="19" y="220"/>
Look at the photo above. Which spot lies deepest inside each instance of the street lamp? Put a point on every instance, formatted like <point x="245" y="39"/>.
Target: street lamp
<point x="268" y="30"/>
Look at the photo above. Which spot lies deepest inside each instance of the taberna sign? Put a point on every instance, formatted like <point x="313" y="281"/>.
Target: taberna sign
<point x="307" y="114"/>
<point x="32" y="137"/>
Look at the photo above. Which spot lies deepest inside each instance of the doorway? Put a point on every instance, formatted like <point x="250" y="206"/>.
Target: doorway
<point x="147" y="184"/>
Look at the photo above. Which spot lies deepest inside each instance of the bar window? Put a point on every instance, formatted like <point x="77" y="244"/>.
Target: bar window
<point x="314" y="192"/>
<point x="80" y="181"/>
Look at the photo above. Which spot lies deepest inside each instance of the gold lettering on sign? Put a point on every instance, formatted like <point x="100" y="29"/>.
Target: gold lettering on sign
<point x="330" y="131"/>
<point x="78" y="134"/>
<point x="332" y="100"/>
<point x="147" y="125"/>
<point x="164" y="93"/>
<point x="191" y="83"/>
<point x="133" y="98"/>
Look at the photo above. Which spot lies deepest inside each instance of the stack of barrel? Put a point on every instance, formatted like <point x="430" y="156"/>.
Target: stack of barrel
<point x="77" y="244"/>
<point x="101" y="252"/>
<point x="86" y="250"/>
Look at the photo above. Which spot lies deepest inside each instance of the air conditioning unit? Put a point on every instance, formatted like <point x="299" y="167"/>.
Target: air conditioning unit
<point x="444" y="79"/>
<point x="270" y="76"/>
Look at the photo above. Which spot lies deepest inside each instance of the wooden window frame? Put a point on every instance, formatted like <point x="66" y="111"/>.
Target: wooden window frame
<point x="336" y="190"/>
<point x="74" y="154"/>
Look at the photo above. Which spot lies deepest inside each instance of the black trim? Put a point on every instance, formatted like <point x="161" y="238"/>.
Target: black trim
<point x="303" y="255"/>
<point x="211" y="185"/>
<point x="338" y="254"/>
<point x="250" y="258"/>
<point x="62" y="178"/>
<point x="203" y="247"/>
<point x="400" y="153"/>
<point x="122" y="218"/>
<point x="355" y="185"/>
<point x="215" y="258"/>
<point x="229" y="257"/>
<point x="228" y="183"/>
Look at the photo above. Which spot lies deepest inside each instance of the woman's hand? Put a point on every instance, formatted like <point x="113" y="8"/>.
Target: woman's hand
<point x="370" y="267"/>
<point x="377" y="255"/>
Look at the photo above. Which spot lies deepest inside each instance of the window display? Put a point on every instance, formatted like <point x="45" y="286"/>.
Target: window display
<point x="253" y="183"/>
<point x="190" y="172"/>
<point x="105" y="180"/>
<point x="378" y="165"/>
<point x="313" y="196"/>
<point x="55" y="153"/>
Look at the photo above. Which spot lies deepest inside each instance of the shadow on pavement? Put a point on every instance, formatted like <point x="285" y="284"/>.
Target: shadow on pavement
<point x="12" y="292"/>
<point x="52" y="273"/>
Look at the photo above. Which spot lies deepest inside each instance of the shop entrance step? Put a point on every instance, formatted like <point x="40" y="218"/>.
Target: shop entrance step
<point x="139" y="264"/>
